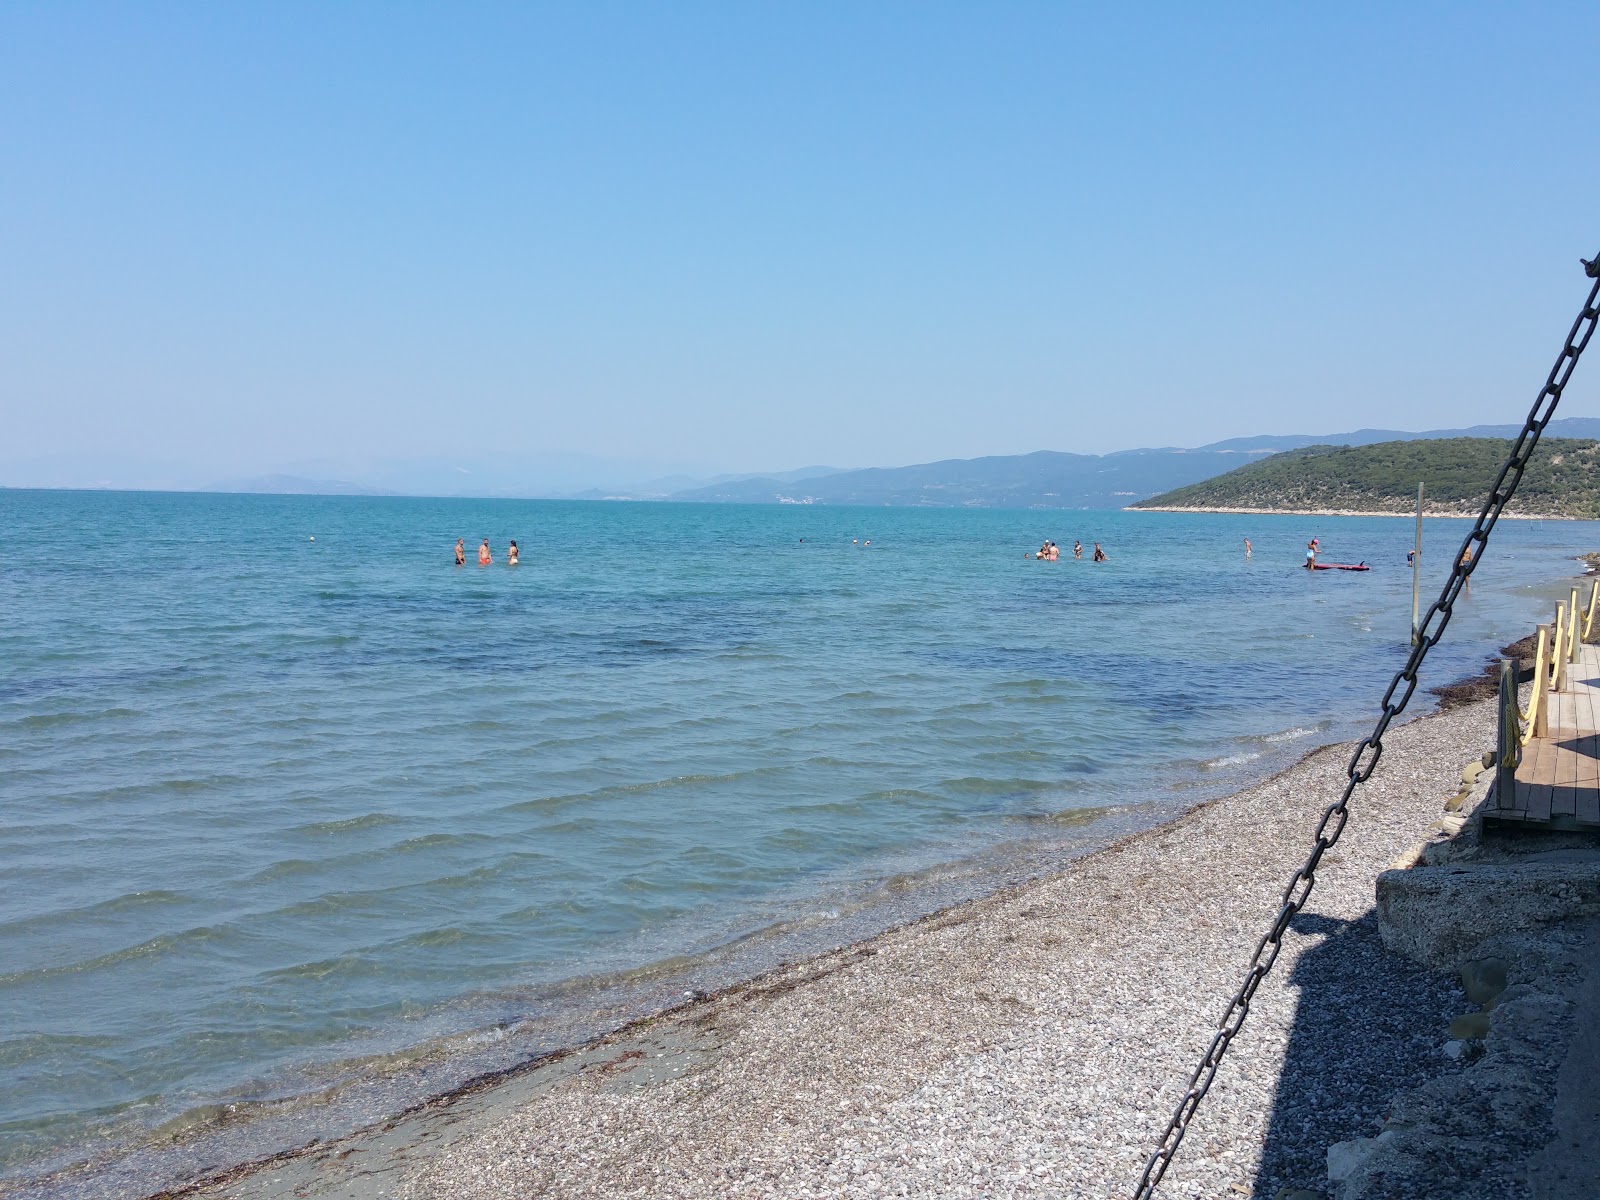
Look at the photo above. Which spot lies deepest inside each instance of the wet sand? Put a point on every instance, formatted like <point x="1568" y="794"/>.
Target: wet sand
<point x="1030" y="1043"/>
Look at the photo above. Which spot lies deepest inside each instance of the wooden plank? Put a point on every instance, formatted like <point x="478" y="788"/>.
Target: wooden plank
<point x="1540" y="797"/>
<point x="1557" y="723"/>
<point x="1586" y="747"/>
<point x="1564" y="800"/>
<point x="1543" y="771"/>
<point x="1535" y="780"/>
<point x="1527" y="770"/>
<point x="1586" y="773"/>
<point x="1586" y="752"/>
<point x="1584" y="712"/>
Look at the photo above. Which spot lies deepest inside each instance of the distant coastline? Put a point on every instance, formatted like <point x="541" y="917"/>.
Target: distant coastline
<point x="1382" y="479"/>
<point x="1347" y="512"/>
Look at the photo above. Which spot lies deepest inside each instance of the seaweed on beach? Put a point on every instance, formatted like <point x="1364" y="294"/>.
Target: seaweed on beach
<point x="1486" y="684"/>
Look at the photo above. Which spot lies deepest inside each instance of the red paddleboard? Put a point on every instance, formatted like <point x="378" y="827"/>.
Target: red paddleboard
<point x="1340" y="567"/>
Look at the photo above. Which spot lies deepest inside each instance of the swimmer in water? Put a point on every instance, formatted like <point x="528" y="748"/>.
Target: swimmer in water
<point x="461" y="552"/>
<point x="1077" y="548"/>
<point x="484" y="557"/>
<point x="511" y="555"/>
<point x="1099" y="554"/>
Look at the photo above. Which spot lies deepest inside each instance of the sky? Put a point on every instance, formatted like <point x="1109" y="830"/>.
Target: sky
<point x="646" y="237"/>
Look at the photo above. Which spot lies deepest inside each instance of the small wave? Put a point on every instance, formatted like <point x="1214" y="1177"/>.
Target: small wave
<point x="979" y="786"/>
<point x="51" y="720"/>
<point x="198" y="935"/>
<point x="1068" y="817"/>
<point x="1288" y="735"/>
<point x="131" y="901"/>
<point x="1229" y="760"/>
<point x="366" y="821"/>
<point x="284" y="869"/>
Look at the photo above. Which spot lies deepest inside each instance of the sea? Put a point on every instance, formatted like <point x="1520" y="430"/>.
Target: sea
<point x="301" y="823"/>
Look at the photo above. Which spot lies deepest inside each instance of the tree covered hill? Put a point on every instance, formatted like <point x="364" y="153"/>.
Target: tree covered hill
<point x="1562" y="480"/>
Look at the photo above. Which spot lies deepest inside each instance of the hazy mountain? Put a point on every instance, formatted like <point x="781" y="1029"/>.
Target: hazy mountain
<point x="673" y="487"/>
<point x="1043" y="479"/>
<point x="296" y="485"/>
<point x="1572" y="427"/>
<point x="1048" y="479"/>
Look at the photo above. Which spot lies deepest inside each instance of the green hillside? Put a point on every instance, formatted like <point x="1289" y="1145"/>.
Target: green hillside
<point x="1563" y="479"/>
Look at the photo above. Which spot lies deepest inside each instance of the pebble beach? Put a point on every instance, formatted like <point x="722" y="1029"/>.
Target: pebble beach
<point x="1031" y="1043"/>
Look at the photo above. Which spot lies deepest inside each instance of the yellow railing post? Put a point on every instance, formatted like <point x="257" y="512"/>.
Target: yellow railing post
<point x="1572" y="627"/>
<point x="1558" y="658"/>
<point x="1533" y="719"/>
<point x="1588" y="616"/>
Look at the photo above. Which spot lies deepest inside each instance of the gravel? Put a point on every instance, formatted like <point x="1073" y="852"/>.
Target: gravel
<point x="1032" y="1043"/>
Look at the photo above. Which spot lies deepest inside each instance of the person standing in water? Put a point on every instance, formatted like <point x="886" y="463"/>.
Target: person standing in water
<point x="461" y="552"/>
<point x="1077" y="548"/>
<point x="484" y="557"/>
<point x="1247" y="547"/>
<point x="511" y="555"/>
<point x="1099" y="554"/>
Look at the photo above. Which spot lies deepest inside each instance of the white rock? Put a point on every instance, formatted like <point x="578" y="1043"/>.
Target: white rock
<point x="1345" y="1158"/>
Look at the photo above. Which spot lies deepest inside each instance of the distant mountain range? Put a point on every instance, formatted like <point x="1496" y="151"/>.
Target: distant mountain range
<point x="1049" y="479"/>
<point x="1043" y="479"/>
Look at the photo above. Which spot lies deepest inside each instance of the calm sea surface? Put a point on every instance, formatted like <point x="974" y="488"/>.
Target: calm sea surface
<point x="276" y="809"/>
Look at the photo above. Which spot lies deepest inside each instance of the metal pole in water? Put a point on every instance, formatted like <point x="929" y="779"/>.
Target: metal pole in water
<point x="1416" y="568"/>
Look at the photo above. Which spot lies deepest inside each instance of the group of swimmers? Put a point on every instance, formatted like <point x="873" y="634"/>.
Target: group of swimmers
<point x="1050" y="552"/>
<point x="485" y="555"/>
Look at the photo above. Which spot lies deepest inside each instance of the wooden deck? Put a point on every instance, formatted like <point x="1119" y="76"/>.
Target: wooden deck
<point x="1558" y="781"/>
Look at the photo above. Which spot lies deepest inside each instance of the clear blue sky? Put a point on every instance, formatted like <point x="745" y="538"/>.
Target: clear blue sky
<point x="746" y="236"/>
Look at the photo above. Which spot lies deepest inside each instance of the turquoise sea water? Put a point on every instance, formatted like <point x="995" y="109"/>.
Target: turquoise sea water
<point x="276" y="808"/>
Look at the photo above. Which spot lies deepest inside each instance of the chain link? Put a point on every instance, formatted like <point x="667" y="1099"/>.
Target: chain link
<point x="1370" y="750"/>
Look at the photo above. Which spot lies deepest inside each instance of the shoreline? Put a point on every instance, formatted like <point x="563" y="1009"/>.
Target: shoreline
<point x="1350" y="512"/>
<point x="918" y="1002"/>
<point x="534" y="1064"/>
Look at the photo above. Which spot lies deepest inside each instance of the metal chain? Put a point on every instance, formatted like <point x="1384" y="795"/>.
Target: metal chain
<point x="1371" y="749"/>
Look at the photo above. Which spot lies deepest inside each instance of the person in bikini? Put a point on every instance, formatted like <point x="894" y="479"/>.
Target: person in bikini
<point x="511" y="556"/>
<point x="1099" y="554"/>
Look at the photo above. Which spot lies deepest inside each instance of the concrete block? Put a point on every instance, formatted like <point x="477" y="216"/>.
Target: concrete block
<point x="1438" y="915"/>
